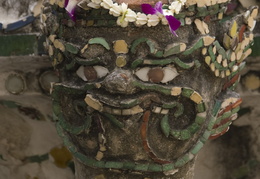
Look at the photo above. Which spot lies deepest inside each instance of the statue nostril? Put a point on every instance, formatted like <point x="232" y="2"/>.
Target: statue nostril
<point x="124" y="76"/>
<point x="119" y="81"/>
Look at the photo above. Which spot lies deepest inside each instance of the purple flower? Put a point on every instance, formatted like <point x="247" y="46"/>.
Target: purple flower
<point x="174" y="23"/>
<point x="70" y="6"/>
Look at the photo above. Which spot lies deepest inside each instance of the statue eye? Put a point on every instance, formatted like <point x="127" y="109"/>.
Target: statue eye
<point x="157" y="74"/>
<point x="91" y="73"/>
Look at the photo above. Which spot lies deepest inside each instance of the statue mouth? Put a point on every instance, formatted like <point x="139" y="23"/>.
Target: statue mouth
<point x="130" y="105"/>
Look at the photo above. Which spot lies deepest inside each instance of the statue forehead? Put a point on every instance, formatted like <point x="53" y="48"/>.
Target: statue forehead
<point x="159" y="34"/>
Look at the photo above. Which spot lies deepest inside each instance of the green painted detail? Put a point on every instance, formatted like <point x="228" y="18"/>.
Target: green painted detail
<point x="153" y="46"/>
<point x="229" y="53"/>
<point x="231" y="64"/>
<point x="71" y="48"/>
<point x="197" y="147"/>
<point x="99" y="164"/>
<point x="155" y="167"/>
<point x="220" y="49"/>
<point x="187" y="157"/>
<point x="71" y="128"/>
<point x="136" y="43"/>
<point x="216" y="107"/>
<point x="202" y="11"/>
<point x="215" y="111"/>
<point x="180" y="15"/>
<point x="165" y="126"/>
<point x="200" y="119"/>
<point x="59" y="88"/>
<point x="225" y="19"/>
<point x="172" y="50"/>
<point x="206" y="135"/>
<point x="167" y="167"/>
<point x="16" y="45"/>
<point x="211" y="54"/>
<point x="213" y="9"/>
<point x="220" y="128"/>
<point x="185" y="134"/>
<point x="82" y="61"/>
<point x="158" y="62"/>
<point x="141" y="167"/>
<point x="234" y="73"/>
<point x="114" y="165"/>
<point x="136" y="63"/>
<point x="233" y="87"/>
<point x="241" y="66"/>
<point x="203" y="140"/>
<point x="194" y="47"/>
<point x="129" y="165"/>
<point x="219" y="66"/>
<point x="193" y="128"/>
<point x="37" y="158"/>
<point x="182" y="64"/>
<point x="192" y="8"/>
<point x="82" y="157"/>
<point x="235" y="110"/>
<point x="66" y="140"/>
<point x="101" y="41"/>
<point x="180" y="162"/>
<point x="159" y="54"/>
<point x="176" y="134"/>
<point x="179" y="106"/>
<point x="182" y="20"/>
<point x="162" y="62"/>
<point x="186" y="92"/>
<point x="223" y="116"/>
<point x="153" y="87"/>
<point x="211" y="124"/>
<point x="200" y="107"/>
<point x="114" y="121"/>
<point x="197" y="63"/>
<point x="9" y="104"/>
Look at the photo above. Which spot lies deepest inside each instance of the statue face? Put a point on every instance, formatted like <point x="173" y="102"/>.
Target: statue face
<point x="141" y="99"/>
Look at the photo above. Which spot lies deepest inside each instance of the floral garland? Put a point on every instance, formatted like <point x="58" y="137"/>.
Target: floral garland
<point x="151" y="16"/>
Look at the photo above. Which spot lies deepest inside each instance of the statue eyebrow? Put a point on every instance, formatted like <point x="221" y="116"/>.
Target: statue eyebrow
<point x="100" y="41"/>
<point x="95" y="60"/>
<point x="154" y="50"/>
<point x="167" y="61"/>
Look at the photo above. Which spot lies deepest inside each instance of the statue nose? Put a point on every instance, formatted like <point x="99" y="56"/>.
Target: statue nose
<point x="119" y="81"/>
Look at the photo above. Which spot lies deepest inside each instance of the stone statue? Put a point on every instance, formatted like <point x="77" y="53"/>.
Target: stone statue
<point x="137" y="100"/>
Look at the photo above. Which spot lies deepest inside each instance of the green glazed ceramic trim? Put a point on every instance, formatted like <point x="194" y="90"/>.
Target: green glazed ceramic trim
<point x="101" y="41"/>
